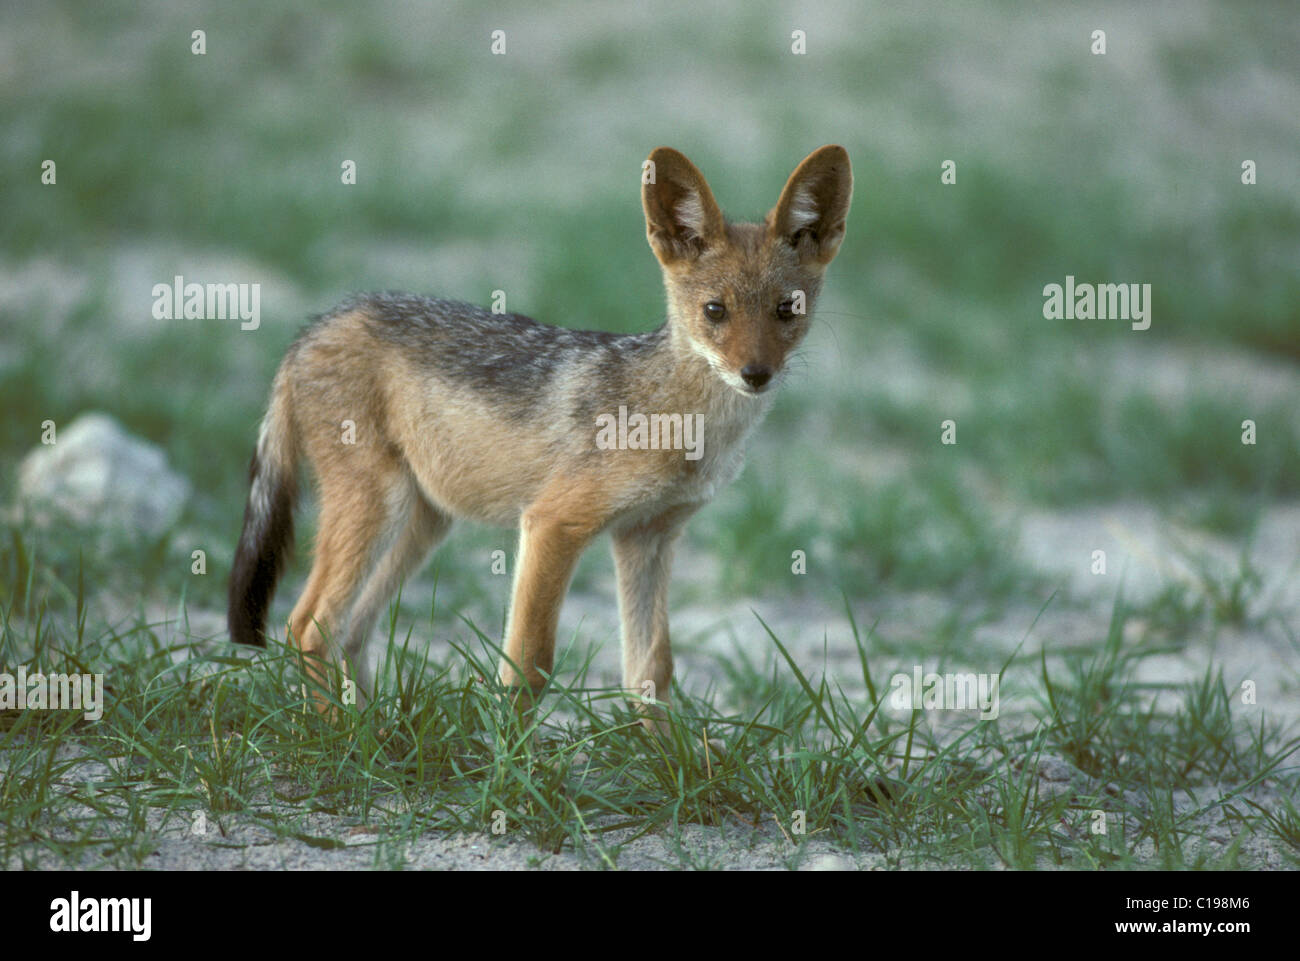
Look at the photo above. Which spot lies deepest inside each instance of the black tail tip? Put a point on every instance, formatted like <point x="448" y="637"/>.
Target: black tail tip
<point x="264" y="544"/>
<point x="244" y="629"/>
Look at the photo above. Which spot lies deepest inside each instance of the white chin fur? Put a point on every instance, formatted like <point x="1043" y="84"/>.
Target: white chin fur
<point x="730" y="377"/>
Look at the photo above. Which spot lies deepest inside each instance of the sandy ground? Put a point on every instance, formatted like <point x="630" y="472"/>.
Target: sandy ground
<point x="322" y="841"/>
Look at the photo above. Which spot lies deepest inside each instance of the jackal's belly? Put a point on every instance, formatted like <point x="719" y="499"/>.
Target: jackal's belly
<point x="477" y="467"/>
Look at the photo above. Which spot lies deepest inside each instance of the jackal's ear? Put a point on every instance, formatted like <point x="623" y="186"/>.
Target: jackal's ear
<point x="814" y="205"/>
<point x="681" y="217"/>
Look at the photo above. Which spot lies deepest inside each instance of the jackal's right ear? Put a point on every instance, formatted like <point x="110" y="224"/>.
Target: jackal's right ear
<point x="681" y="217"/>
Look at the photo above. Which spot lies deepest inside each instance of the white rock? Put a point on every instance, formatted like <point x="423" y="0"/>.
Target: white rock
<point x="97" y="474"/>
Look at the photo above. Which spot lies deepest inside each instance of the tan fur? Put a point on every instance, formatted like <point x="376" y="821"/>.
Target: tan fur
<point x="429" y="449"/>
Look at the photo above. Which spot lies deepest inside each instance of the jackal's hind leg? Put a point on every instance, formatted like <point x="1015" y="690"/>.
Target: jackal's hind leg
<point x="370" y="538"/>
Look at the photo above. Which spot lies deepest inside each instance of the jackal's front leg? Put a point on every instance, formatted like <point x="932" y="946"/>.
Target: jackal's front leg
<point x="643" y="557"/>
<point x="550" y="542"/>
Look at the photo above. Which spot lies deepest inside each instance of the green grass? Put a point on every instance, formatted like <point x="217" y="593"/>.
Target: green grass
<point x="864" y="540"/>
<point x="196" y="734"/>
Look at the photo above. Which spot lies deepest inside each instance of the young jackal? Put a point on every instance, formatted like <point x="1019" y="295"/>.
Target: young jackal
<point x="415" y="411"/>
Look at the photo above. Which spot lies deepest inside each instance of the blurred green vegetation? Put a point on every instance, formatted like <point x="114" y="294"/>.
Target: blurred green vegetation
<point x="519" y="172"/>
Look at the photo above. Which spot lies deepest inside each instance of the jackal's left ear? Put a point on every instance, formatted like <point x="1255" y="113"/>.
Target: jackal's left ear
<point x="814" y="205"/>
<point x="681" y="217"/>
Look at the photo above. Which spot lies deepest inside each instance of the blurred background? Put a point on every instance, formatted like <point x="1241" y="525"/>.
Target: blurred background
<point x="520" y="172"/>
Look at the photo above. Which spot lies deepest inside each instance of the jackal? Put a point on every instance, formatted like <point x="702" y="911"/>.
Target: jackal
<point x="458" y="412"/>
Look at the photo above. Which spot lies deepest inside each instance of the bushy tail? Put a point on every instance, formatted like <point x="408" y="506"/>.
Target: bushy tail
<point x="267" y="537"/>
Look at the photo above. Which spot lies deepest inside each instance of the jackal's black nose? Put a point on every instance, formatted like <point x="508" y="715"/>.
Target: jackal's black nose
<point x="756" y="375"/>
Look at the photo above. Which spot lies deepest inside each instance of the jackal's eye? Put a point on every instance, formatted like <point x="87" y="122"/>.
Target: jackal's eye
<point x="715" y="311"/>
<point x="785" y="310"/>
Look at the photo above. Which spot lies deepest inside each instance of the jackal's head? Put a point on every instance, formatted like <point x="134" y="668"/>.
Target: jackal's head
<point x="742" y="294"/>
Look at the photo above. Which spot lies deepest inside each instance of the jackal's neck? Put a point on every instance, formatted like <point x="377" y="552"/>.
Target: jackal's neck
<point x="689" y="381"/>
